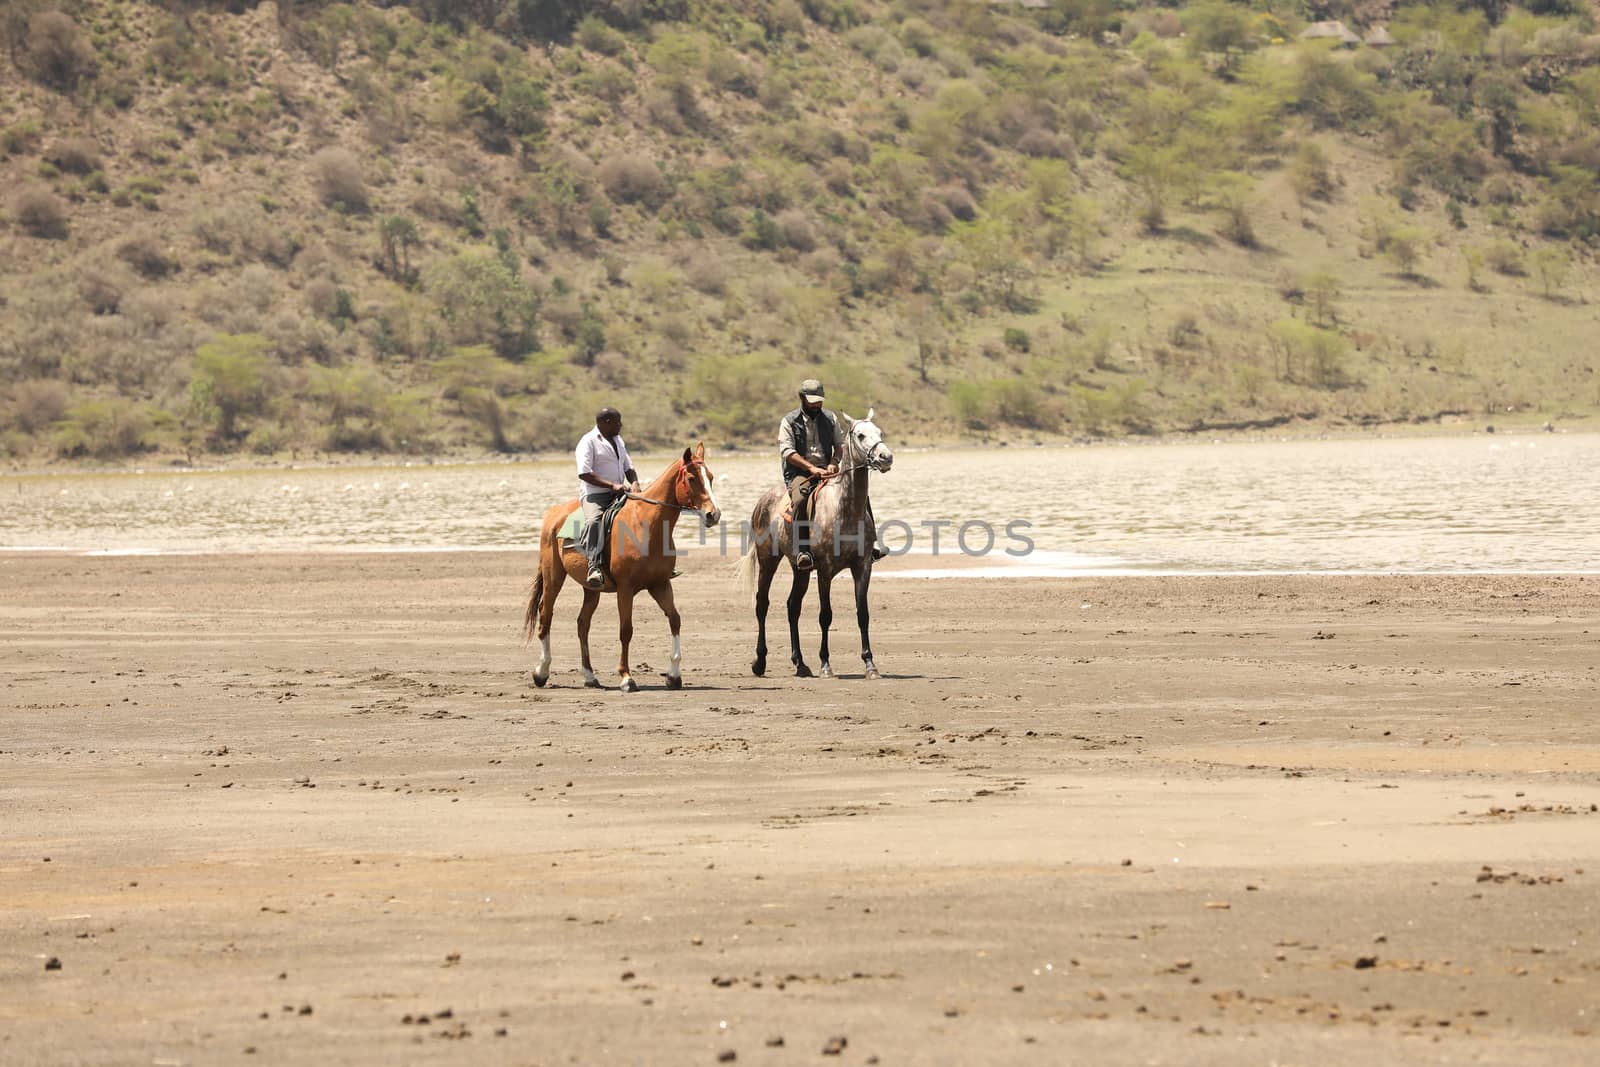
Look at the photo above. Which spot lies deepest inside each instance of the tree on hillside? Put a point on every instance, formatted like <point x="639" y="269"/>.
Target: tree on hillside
<point x="484" y="301"/>
<point x="1230" y="193"/>
<point x="231" y="380"/>
<point x="990" y="246"/>
<point x="735" y="395"/>
<point x="922" y="317"/>
<point x="58" y="53"/>
<point x="1551" y="264"/>
<point x="1156" y="172"/>
<point x="1310" y="174"/>
<point x="1322" y="291"/>
<point x="14" y="17"/>
<point x="1405" y="245"/>
<point x="475" y="378"/>
<point x="400" y="236"/>
<point x="1221" y="29"/>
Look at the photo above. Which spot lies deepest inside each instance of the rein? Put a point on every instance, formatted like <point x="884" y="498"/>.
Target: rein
<point x="683" y="476"/>
<point x="842" y="470"/>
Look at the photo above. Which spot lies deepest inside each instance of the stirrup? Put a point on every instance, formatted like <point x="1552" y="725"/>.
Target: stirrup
<point x="596" y="580"/>
<point x="803" y="561"/>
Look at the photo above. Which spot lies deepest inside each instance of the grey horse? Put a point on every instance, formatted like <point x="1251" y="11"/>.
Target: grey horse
<point x="844" y="538"/>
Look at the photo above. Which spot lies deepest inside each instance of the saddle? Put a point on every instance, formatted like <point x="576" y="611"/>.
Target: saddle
<point x="788" y="507"/>
<point x="574" y="532"/>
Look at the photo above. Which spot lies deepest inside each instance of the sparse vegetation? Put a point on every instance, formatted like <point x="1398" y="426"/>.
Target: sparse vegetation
<point x="40" y="212"/>
<point x="1082" y="220"/>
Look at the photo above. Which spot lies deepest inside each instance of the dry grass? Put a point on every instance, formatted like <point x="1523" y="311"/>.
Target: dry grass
<point x="857" y="260"/>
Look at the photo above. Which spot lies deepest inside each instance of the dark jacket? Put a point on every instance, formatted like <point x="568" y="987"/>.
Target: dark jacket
<point x="798" y="426"/>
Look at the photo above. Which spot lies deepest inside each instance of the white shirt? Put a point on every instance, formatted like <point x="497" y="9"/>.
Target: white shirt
<point x="595" y="456"/>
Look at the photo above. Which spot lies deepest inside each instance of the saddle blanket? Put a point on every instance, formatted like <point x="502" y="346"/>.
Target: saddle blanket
<point x="572" y="528"/>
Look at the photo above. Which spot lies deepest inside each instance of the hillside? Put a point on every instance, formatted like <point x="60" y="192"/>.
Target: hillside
<point x="436" y="227"/>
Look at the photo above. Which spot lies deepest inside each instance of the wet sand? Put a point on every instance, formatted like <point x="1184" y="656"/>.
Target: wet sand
<point x="295" y="808"/>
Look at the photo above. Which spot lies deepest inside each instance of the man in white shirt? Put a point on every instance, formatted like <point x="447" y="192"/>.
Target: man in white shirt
<point x="605" y="472"/>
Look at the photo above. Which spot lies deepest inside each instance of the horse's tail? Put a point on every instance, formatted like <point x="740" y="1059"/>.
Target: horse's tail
<point x="530" y="622"/>
<point x="747" y="573"/>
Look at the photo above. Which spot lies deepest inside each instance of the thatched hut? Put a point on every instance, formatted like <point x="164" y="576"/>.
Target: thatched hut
<point x="1378" y="37"/>
<point x="1330" y="30"/>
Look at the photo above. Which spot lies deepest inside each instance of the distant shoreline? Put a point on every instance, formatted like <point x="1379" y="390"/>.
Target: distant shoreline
<point x="240" y="462"/>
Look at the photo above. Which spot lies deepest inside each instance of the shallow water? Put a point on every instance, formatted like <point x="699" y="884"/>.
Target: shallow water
<point x="1482" y="504"/>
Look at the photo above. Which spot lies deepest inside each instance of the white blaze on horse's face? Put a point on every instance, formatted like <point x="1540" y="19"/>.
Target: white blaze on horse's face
<point x="701" y="479"/>
<point x="869" y="441"/>
<point x="698" y="480"/>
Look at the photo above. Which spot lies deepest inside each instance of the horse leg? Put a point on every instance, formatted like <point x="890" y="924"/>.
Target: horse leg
<point x="551" y="577"/>
<point x="769" y="567"/>
<point x="625" y="635"/>
<point x="797" y="596"/>
<point x="862" y="573"/>
<point x="662" y="595"/>
<point x="824" y="618"/>
<point x="591" y="600"/>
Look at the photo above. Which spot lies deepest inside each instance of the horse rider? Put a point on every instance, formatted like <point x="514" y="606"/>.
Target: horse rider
<point x="810" y="446"/>
<point x="605" y="472"/>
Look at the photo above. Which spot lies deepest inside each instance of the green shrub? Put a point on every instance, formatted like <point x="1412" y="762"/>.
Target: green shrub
<point x="1311" y="173"/>
<point x="231" y="381"/>
<point x="1310" y="354"/>
<point x="1114" y="407"/>
<point x="484" y="301"/>
<point x="21" y="137"/>
<point x="604" y="81"/>
<point x="596" y="36"/>
<point x="1505" y="257"/>
<point x="1551" y="265"/>
<point x="103" y="429"/>
<point x="981" y="405"/>
<point x="1332" y="93"/>
<point x="761" y="232"/>
<point x="737" y="396"/>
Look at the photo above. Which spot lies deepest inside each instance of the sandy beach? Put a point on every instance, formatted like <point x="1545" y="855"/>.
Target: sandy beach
<point x="310" y="808"/>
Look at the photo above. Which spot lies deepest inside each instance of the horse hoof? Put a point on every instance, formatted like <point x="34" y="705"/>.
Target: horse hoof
<point x="825" y="672"/>
<point x="592" y="683"/>
<point x="674" y="682"/>
<point x="758" y="667"/>
<point x="802" y="671"/>
<point x="630" y="686"/>
<point x="539" y="682"/>
<point x="872" y="672"/>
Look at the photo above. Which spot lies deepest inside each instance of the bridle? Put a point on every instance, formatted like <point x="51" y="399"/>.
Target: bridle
<point x="680" y="483"/>
<point x="867" y="465"/>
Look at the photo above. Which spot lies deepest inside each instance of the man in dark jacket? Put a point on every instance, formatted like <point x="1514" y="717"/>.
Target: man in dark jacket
<point x="810" y="446"/>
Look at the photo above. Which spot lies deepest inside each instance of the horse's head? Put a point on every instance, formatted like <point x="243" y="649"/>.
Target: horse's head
<point x="867" y="443"/>
<point x="694" y="484"/>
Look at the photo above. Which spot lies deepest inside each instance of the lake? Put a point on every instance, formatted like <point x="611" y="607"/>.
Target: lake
<point x="1481" y="504"/>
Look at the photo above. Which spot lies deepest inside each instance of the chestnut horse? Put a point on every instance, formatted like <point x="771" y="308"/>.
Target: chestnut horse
<point x="641" y="557"/>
